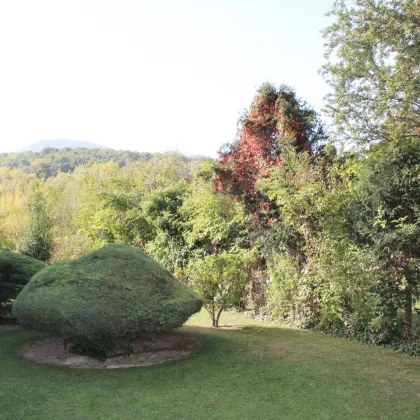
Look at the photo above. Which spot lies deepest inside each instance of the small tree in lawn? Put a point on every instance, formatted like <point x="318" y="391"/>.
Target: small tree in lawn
<point x="220" y="281"/>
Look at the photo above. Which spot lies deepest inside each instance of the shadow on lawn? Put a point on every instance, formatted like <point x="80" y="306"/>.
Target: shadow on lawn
<point x="253" y="342"/>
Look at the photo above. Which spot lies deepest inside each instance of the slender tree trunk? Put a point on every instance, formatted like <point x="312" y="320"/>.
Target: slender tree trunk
<point x="218" y="317"/>
<point x="307" y="234"/>
<point x="408" y="321"/>
<point x="408" y="328"/>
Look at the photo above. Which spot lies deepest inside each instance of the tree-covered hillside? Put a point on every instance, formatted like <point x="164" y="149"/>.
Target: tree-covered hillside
<point x="50" y="161"/>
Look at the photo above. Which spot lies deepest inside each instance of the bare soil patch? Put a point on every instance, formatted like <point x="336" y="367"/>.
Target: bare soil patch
<point x="220" y="327"/>
<point x="231" y="327"/>
<point x="146" y="352"/>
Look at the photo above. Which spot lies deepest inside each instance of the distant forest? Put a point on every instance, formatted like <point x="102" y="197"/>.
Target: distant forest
<point x="51" y="161"/>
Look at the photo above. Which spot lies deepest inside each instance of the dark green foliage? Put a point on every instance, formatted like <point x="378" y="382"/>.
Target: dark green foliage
<point x="163" y="212"/>
<point x="116" y="291"/>
<point x="15" y="271"/>
<point x="388" y="221"/>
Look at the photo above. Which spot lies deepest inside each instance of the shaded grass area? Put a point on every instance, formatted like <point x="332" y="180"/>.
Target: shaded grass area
<point x="260" y="372"/>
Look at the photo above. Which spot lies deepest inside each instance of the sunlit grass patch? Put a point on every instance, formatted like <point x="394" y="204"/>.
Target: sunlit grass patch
<point x="262" y="371"/>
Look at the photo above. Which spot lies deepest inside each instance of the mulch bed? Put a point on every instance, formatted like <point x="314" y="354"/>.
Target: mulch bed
<point x="147" y="352"/>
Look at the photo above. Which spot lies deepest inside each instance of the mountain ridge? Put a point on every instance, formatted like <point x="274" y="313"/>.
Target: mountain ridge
<point x="60" y="144"/>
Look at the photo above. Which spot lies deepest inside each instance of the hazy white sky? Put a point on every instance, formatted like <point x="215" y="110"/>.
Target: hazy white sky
<point x="150" y="75"/>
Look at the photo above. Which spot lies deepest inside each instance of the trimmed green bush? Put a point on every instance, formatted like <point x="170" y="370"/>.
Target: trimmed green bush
<point x="116" y="291"/>
<point x="15" y="271"/>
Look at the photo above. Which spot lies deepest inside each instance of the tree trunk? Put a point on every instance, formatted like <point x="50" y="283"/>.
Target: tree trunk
<point x="307" y="234"/>
<point x="408" y="321"/>
<point x="408" y="327"/>
<point x="213" y="315"/>
<point x="218" y="317"/>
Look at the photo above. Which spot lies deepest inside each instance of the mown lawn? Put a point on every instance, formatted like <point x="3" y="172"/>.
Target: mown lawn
<point x="260" y="372"/>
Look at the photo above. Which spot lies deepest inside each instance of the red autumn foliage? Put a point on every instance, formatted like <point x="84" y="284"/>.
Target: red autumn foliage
<point x="275" y="118"/>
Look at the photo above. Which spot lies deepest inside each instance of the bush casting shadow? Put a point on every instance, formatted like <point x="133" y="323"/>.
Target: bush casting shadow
<point x="116" y="292"/>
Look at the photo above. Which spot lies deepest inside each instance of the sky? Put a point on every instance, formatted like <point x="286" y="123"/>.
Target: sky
<point x="158" y="75"/>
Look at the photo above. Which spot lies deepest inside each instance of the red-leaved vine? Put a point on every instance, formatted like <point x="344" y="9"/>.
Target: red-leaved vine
<point x="275" y="118"/>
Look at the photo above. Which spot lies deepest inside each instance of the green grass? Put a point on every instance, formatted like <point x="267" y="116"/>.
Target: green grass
<point x="260" y="372"/>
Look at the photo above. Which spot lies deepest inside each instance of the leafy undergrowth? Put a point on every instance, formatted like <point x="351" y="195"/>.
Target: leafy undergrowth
<point x="261" y="371"/>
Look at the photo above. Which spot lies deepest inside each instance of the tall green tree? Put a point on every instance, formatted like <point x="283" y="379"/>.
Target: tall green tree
<point x="214" y="222"/>
<point x="388" y="221"/>
<point x="305" y="191"/>
<point x="14" y="192"/>
<point x="37" y="241"/>
<point x="373" y="68"/>
<point x="164" y="215"/>
<point x="63" y="193"/>
<point x="373" y="52"/>
<point x="110" y="210"/>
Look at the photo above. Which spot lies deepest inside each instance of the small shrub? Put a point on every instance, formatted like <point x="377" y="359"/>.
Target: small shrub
<point x="220" y="281"/>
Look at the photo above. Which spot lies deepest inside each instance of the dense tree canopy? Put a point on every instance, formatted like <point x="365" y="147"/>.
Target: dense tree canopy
<point x="374" y="69"/>
<point x="388" y="221"/>
<point x="50" y="161"/>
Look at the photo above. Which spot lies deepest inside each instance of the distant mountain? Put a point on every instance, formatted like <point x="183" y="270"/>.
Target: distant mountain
<point x="60" y="144"/>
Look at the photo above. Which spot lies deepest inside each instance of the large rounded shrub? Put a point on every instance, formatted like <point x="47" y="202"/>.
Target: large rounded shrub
<point x="116" y="291"/>
<point x="15" y="271"/>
